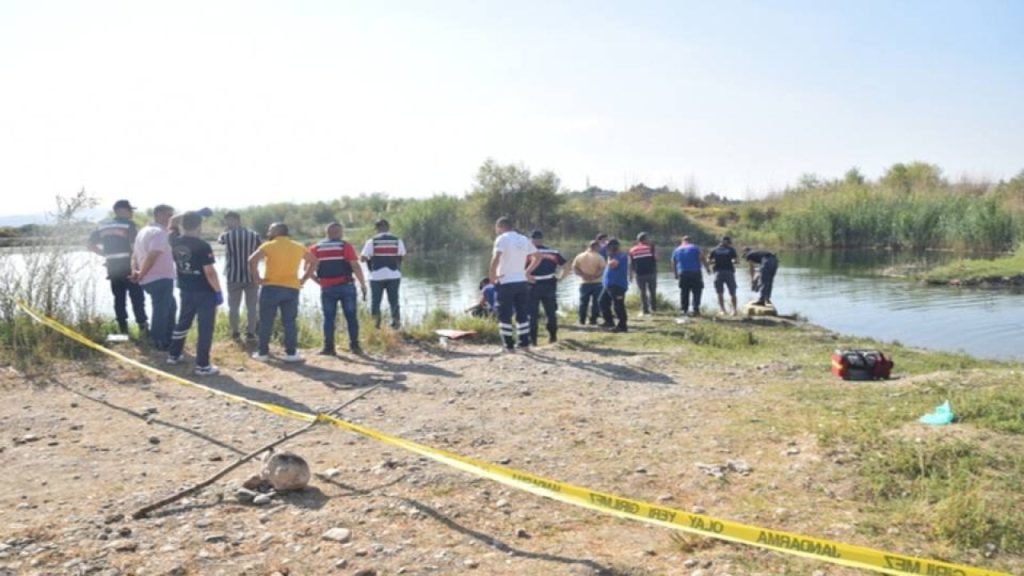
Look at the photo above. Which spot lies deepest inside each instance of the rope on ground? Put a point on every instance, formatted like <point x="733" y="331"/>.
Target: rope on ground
<point x="146" y="510"/>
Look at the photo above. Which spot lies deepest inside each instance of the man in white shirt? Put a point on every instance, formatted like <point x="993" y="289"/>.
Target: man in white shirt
<point x="509" y="272"/>
<point x="383" y="256"/>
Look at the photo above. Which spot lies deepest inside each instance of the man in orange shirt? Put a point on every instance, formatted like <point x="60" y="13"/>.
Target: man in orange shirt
<point x="280" y="288"/>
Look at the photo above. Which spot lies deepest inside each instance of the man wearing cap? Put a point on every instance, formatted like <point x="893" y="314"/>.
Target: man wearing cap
<point x="383" y="255"/>
<point x="510" y="266"/>
<point x="239" y="243"/>
<point x="153" y="268"/>
<point x="643" y="267"/>
<point x="723" y="261"/>
<point x="615" y="284"/>
<point x="689" y="261"/>
<point x="767" y="264"/>
<point x="544" y="286"/>
<point x="337" y="266"/>
<point x="279" y="288"/>
<point x="113" y="239"/>
<point x="589" y="268"/>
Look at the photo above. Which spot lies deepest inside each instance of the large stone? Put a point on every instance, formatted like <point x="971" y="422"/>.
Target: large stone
<point x="341" y="535"/>
<point x="286" y="471"/>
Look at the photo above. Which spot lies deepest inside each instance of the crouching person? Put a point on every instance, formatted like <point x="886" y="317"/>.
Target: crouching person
<point x="200" y="293"/>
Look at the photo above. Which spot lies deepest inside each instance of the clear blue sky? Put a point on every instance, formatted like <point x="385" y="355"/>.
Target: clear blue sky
<point x="234" y="103"/>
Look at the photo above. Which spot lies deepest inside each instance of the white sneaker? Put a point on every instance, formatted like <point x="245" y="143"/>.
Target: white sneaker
<point x="207" y="370"/>
<point x="173" y="360"/>
<point x="292" y="358"/>
<point x="260" y="357"/>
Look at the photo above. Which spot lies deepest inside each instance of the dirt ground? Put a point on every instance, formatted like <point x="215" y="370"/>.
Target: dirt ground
<point x="97" y="441"/>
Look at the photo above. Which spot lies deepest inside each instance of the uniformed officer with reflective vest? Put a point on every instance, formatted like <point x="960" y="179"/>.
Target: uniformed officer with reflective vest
<point x="383" y="254"/>
<point x="337" y="267"/>
<point x="113" y="239"/>
<point x="543" y="287"/>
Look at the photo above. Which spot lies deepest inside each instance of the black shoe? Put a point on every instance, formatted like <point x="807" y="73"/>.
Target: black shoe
<point x="356" y="350"/>
<point x="552" y="339"/>
<point x="143" y="328"/>
<point x="250" y="337"/>
<point x="593" y="321"/>
<point x="327" y="352"/>
<point x="619" y="329"/>
<point x="122" y="327"/>
<point x="236" y="336"/>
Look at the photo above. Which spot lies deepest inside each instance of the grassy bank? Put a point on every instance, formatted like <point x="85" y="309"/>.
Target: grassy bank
<point x="1007" y="271"/>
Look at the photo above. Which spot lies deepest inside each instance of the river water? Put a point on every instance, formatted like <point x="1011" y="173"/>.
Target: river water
<point x="843" y="291"/>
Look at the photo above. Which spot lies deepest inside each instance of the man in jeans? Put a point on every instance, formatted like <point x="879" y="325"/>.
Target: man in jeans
<point x="200" y="293"/>
<point x="153" y="269"/>
<point x="239" y="243"/>
<point x="113" y="239"/>
<point x="280" y="286"/>
<point x="337" y="264"/>
<point x="643" y="266"/>
<point x="589" y="267"/>
<point x="615" y="284"/>
<point x="383" y="254"/>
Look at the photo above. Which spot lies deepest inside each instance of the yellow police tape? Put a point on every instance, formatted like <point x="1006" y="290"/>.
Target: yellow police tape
<point x="785" y="542"/>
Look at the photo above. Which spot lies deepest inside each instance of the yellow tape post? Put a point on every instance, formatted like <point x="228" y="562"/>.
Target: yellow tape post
<point x="700" y="524"/>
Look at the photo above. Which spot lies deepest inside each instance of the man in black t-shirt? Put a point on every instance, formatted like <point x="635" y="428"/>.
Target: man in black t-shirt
<point x="200" y="293"/>
<point x="767" y="263"/>
<point x="723" y="261"/>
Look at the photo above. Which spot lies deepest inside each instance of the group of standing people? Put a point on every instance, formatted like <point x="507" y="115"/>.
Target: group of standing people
<point x="524" y="272"/>
<point x="152" y="259"/>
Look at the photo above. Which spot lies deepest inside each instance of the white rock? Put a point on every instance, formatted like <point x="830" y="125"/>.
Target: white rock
<point x="341" y="535"/>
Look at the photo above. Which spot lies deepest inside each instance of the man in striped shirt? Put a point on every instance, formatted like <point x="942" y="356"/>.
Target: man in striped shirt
<point x="239" y="243"/>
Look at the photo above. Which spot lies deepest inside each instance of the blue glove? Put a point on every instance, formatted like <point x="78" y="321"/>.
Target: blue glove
<point x="218" y="298"/>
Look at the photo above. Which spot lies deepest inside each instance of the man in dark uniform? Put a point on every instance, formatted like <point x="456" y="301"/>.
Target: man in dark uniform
<point x="543" y="287"/>
<point x="723" y="261"/>
<point x="337" y="267"/>
<point x="113" y="239"/>
<point x="767" y="264"/>
<point x="383" y="255"/>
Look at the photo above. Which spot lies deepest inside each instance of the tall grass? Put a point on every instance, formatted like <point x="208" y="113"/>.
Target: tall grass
<point x="860" y="215"/>
<point x="43" y="276"/>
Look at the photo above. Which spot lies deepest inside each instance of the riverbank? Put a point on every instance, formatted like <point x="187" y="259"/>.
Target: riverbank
<point x="733" y="417"/>
<point x="1007" y="272"/>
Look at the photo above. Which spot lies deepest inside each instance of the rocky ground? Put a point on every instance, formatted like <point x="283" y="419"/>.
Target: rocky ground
<point x="89" y="444"/>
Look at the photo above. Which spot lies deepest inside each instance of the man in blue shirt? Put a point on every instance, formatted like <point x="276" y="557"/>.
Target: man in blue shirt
<point x="615" y="283"/>
<point x="688" y="260"/>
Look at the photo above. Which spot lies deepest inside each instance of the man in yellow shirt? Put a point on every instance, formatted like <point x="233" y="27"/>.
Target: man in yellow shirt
<point x="280" y="285"/>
